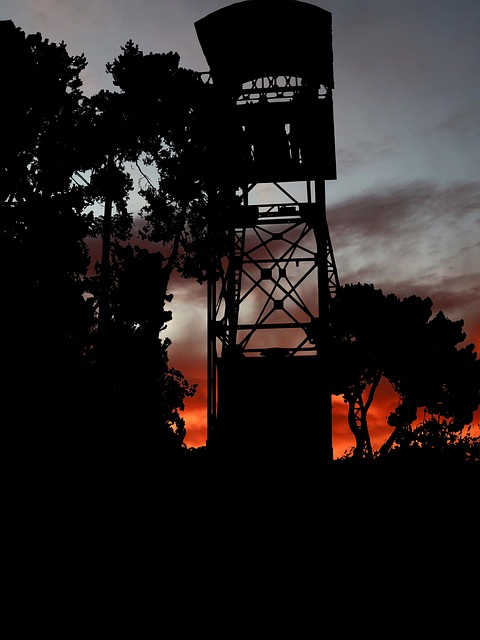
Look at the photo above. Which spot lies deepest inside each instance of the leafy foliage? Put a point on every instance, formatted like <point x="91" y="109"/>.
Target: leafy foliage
<point x="69" y="152"/>
<point x="378" y="336"/>
<point x="45" y="318"/>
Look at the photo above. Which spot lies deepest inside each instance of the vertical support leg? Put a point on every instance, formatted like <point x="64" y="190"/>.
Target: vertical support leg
<point x="323" y="338"/>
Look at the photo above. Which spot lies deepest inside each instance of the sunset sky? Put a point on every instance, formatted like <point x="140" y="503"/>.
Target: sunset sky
<point x="404" y="212"/>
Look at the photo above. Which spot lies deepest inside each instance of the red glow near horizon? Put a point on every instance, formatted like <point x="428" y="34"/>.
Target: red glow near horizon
<point x="195" y="416"/>
<point x="188" y="354"/>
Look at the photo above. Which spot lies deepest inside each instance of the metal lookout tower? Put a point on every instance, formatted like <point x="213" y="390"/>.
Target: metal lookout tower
<point x="271" y="65"/>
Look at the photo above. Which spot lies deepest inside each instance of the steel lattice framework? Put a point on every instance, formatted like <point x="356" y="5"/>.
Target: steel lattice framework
<point x="274" y="265"/>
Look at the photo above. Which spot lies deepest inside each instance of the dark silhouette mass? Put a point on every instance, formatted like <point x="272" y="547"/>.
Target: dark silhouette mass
<point x="279" y="273"/>
<point x="89" y="395"/>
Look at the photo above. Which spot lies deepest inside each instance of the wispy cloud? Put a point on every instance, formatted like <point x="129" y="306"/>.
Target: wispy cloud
<point x="416" y="239"/>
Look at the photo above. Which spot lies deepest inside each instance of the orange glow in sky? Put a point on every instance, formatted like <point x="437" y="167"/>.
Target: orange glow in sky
<point x="385" y="401"/>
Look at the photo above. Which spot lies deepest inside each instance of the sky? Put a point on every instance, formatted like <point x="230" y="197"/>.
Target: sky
<point x="404" y="212"/>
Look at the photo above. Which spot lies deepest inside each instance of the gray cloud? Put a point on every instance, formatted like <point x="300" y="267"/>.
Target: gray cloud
<point x="418" y="239"/>
<point x="406" y="208"/>
<point x="463" y="124"/>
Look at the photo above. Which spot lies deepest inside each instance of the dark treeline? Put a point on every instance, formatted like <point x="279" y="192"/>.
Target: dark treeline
<point x="83" y="358"/>
<point x="82" y="347"/>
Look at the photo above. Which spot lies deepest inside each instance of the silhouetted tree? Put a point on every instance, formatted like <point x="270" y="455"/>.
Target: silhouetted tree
<point x="363" y="323"/>
<point x="105" y="146"/>
<point x="377" y="336"/>
<point x="141" y="125"/>
<point x="70" y="152"/>
<point x="45" y="319"/>
<point x="444" y="380"/>
<point x="433" y="440"/>
<point x="154" y="124"/>
<point x="143" y="391"/>
<point x="108" y="184"/>
<point x="168" y="117"/>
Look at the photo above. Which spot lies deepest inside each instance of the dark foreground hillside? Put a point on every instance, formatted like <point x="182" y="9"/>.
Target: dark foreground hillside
<point x="129" y="470"/>
<point x="417" y="491"/>
<point x="86" y="527"/>
<point x="88" y="492"/>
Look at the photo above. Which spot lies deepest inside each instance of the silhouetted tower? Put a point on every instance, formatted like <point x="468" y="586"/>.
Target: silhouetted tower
<point x="272" y="136"/>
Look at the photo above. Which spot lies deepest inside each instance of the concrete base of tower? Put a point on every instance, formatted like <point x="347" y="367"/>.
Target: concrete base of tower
<point x="273" y="412"/>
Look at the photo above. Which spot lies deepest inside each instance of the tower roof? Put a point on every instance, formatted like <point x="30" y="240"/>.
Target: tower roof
<point x="258" y="38"/>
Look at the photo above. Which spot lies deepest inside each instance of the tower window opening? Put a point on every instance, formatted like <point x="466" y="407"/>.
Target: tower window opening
<point x="277" y="89"/>
<point x="271" y="88"/>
